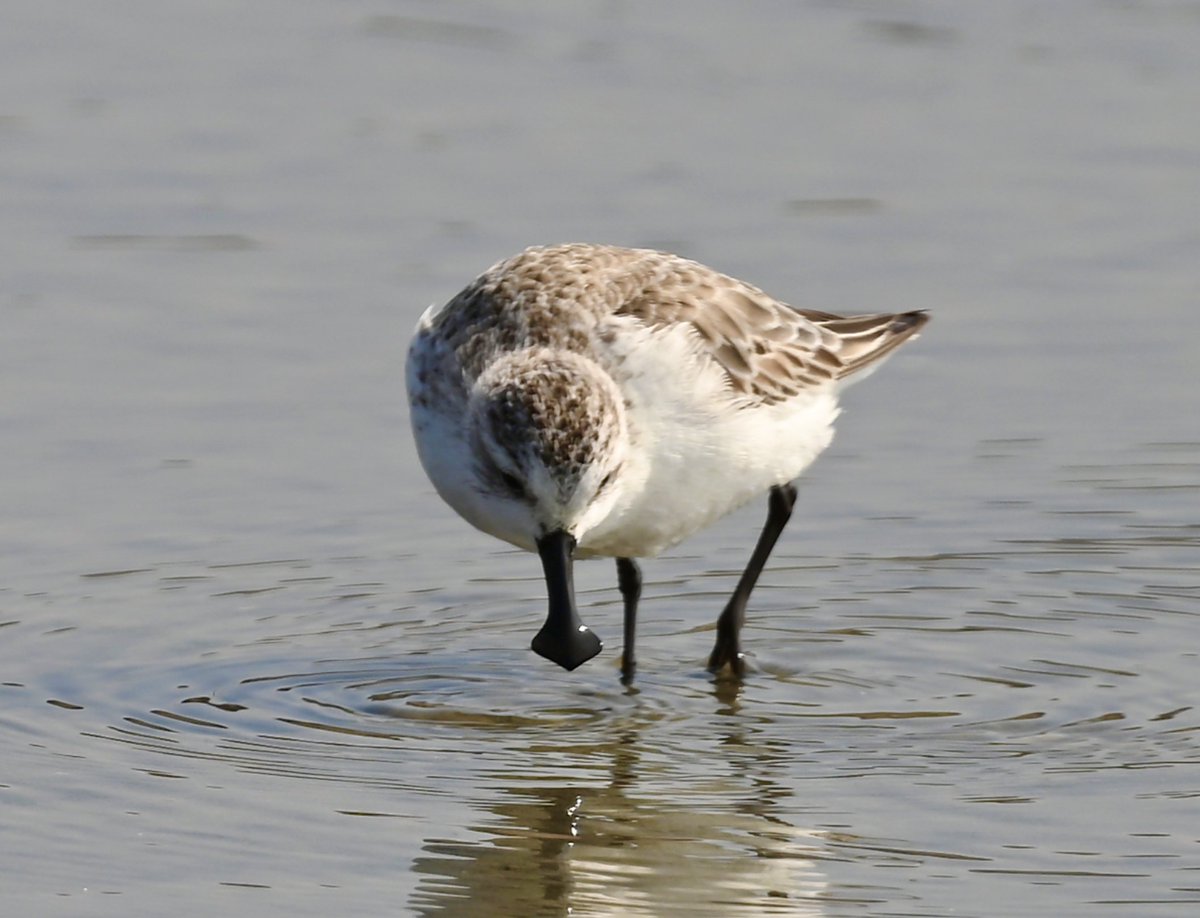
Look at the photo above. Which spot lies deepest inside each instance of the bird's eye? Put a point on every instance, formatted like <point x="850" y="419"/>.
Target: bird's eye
<point x="511" y="483"/>
<point x="606" y="481"/>
<point x="499" y="481"/>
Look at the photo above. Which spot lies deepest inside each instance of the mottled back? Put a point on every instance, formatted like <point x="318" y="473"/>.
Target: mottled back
<point x="556" y="297"/>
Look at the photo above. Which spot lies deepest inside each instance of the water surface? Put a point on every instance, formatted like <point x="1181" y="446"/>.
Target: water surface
<point x="249" y="663"/>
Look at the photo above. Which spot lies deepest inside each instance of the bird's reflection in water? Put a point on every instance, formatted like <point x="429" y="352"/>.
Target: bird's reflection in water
<point x="656" y="838"/>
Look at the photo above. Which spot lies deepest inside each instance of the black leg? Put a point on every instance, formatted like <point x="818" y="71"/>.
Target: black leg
<point x="728" y="651"/>
<point x="629" y="579"/>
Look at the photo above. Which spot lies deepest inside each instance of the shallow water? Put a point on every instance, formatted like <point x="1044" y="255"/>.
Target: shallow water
<point x="248" y="662"/>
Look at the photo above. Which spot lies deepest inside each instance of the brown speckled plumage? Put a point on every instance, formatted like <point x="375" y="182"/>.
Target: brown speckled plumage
<point x="543" y="406"/>
<point x="560" y="296"/>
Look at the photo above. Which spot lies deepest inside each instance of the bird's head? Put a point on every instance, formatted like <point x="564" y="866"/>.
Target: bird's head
<point x="551" y="443"/>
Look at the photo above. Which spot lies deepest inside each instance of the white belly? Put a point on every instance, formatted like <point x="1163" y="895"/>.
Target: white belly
<point x="703" y="457"/>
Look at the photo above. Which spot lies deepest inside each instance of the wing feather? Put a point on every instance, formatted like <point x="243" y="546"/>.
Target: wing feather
<point x="770" y="352"/>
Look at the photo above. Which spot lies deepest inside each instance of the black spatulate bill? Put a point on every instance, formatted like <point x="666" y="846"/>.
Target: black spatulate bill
<point x="564" y="638"/>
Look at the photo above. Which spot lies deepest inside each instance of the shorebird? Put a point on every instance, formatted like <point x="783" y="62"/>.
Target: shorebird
<point x="589" y="400"/>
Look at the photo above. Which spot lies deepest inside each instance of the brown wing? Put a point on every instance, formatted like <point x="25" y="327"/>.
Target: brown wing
<point x="769" y="351"/>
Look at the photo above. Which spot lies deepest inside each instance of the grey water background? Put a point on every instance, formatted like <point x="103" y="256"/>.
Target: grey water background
<point x="249" y="663"/>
